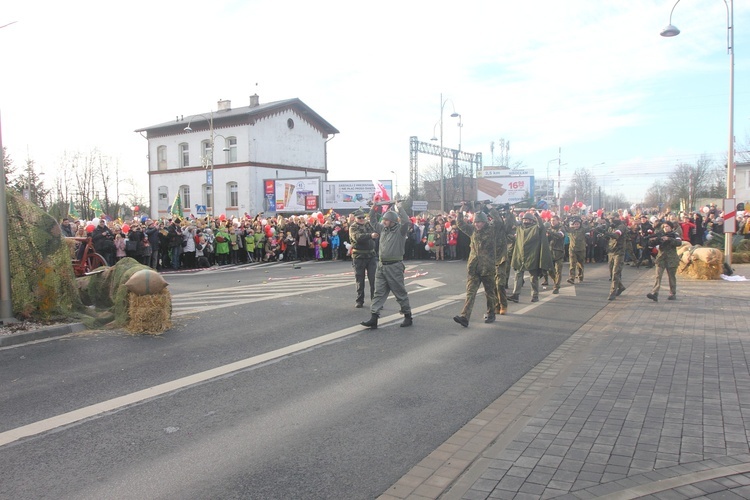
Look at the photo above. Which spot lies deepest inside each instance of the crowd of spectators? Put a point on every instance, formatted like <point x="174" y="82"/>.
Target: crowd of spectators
<point x="190" y="243"/>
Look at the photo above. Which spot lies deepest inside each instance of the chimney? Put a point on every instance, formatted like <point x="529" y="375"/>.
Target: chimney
<point x="224" y="105"/>
<point x="254" y="101"/>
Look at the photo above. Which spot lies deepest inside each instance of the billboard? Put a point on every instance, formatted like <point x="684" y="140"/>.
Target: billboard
<point x="501" y="187"/>
<point x="351" y="195"/>
<point x="292" y="195"/>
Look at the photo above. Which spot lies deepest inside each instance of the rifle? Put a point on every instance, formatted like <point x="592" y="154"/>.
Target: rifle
<point x="657" y="236"/>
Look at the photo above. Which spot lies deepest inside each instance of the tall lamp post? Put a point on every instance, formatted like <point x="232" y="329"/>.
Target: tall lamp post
<point x="671" y="31"/>
<point x="395" y="195"/>
<point x="209" y="159"/>
<point x="442" y="167"/>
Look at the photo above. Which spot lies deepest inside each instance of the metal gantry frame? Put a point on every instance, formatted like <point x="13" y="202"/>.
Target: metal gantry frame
<point x="416" y="147"/>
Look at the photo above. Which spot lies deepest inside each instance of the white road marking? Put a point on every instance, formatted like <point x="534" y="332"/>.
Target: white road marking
<point x="114" y="404"/>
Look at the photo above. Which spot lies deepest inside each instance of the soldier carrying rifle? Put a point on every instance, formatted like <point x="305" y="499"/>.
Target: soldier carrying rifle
<point x="667" y="259"/>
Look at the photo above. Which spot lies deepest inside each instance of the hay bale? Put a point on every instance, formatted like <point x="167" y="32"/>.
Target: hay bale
<point x="150" y="314"/>
<point x="700" y="262"/>
<point x="146" y="282"/>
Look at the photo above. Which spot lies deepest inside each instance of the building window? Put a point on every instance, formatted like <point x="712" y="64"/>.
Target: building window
<point x="185" y="196"/>
<point x="163" y="199"/>
<point x="161" y="157"/>
<point x="184" y="155"/>
<point x="290" y="123"/>
<point x="206" y="153"/>
<point x="208" y="198"/>
<point x="232" y="146"/>
<point x="233" y="195"/>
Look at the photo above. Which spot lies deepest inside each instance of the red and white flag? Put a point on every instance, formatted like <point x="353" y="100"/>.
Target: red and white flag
<point x="380" y="194"/>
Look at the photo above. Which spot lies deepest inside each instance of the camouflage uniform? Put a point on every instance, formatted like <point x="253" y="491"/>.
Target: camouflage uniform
<point x="364" y="259"/>
<point x="504" y="226"/>
<point x="577" y="251"/>
<point x="556" y="238"/>
<point x="531" y="253"/>
<point x="481" y="266"/>
<point x="669" y="260"/>
<point x="618" y="238"/>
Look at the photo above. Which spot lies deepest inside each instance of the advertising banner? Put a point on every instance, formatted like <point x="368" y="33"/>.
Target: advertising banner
<point x="292" y="195"/>
<point x="505" y="189"/>
<point x="351" y="195"/>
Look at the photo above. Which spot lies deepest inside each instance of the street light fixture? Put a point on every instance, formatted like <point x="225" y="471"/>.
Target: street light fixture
<point x="442" y="167"/>
<point x="671" y="31"/>
<point x="209" y="160"/>
<point x="395" y="195"/>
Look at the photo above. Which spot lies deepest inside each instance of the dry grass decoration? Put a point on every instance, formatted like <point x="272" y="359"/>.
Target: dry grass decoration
<point x="699" y="262"/>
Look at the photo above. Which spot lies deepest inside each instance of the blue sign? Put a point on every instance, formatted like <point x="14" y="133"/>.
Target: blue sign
<point x="200" y="209"/>
<point x="210" y="177"/>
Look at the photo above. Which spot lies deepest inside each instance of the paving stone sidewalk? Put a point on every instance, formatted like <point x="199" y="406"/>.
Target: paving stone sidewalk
<point x="646" y="400"/>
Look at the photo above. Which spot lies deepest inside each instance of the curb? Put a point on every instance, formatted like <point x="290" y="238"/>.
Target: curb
<point x="41" y="334"/>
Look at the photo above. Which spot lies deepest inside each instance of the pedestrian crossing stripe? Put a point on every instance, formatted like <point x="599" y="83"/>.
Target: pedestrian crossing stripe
<point x="192" y="302"/>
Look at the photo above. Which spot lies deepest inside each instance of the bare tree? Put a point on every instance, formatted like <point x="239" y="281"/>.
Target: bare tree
<point x="656" y="196"/>
<point x="582" y="186"/>
<point x="689" y="182"/>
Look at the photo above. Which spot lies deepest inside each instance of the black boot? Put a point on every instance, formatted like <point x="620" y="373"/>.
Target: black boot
<point x="407" y="320"/>
<point x="372" y="323"/>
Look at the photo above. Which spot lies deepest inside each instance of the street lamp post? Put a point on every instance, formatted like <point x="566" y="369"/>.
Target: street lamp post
<point x="442" y="167"/>
<point x="395" y="195"/>
<point x="671" y="31"/>
<point x="210" y="159"/>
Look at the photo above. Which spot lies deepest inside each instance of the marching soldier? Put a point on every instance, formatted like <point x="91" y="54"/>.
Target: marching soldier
<point x="392" y="233"/>
<point x="617" y="234"/>
<point x="504" y="223"/>
<point x="556" y="238"/>
<point x="667" y="259"/>
<point x="576" y="249"/>
<point x="481" y="264"/>
<point x="364" y="259"/>
<point x="531" y="253"/>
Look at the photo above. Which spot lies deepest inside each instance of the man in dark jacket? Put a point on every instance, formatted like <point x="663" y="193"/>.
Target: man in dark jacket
<point x="364" y="258"/>
<point x="104" y="242"/>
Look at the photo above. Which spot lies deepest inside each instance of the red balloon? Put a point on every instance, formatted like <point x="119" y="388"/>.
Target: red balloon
<point x="432" y="244"/>
<point x="579" y="204"/>
<point x="566" y="207"/>
<point x="321" y="217"/>
<point x="447" y="225"/>
<point x="222" y="217"/>
<point x="136" y="208"/>
<point x="90" y="228"/>
<point x="125" y="228"/>
<point x="324" y="244"/>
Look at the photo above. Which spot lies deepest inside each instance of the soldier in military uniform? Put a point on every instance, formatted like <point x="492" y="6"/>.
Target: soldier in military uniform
<point x="392" y="232"/>
<point x="556" y="238"/>
<point x="577" y="248"/>
<point x="531" y="253"/>
<point x="481" y="264"/>
<point x="504" y="224"/>
<point x="364" y="259"/>
<point x="667" y="259"/>
<point x="618" y="238"/>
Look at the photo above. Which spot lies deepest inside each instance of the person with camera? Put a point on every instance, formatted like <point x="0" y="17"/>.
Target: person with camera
<point x="389" y="277"/>
<point x="617" y="234"/>
<point x="667" y="259"/>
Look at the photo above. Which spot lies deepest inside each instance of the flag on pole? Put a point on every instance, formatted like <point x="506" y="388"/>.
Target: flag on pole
<point x="176" y="208"/>
<point x="380" y="194"/>
<point x="96" y="206"/>
<point x="72" y="212"/>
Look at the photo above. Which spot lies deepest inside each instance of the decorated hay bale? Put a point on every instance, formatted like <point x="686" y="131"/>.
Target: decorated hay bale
<point x="146" y="282"/>
<point x="700" y="262"/>
<point x="150" y="314"/>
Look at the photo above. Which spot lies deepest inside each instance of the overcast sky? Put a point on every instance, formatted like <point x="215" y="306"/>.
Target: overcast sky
<point x="591" y="77"/>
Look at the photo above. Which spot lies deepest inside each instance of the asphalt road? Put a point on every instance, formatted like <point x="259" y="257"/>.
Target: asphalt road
<point x="266" y="387"/>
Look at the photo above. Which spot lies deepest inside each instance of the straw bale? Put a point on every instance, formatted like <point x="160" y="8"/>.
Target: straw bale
<point x="149" y="314"/>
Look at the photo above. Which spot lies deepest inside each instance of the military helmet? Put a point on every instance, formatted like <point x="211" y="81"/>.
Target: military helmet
<point x="529" y="216"/>
<point x="359" y="213"/>
<point x="391" y="216"/>
<point x="614" y="215"/>
<point x="481" y="217"/>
